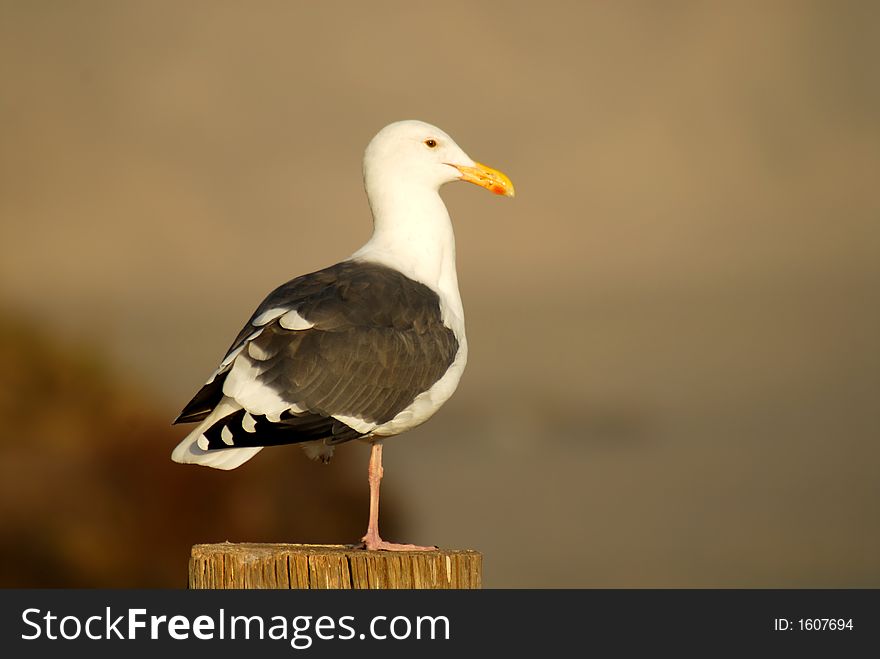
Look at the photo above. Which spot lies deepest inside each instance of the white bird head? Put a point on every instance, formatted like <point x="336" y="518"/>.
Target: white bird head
<point x="418" y="154"/>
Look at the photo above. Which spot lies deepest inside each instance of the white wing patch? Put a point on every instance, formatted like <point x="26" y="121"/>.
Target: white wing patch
<point x="262" y="353"/>
<point x="243" y="386"/>
<point x="293" y="321"/>
<point x="232" y="355"/>
<point x="269" y="315"/>
<point x="248" y="423"/>
<point x="290" y="319"/>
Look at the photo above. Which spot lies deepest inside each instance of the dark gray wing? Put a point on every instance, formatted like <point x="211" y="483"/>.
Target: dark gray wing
<point x="375" y="340"/>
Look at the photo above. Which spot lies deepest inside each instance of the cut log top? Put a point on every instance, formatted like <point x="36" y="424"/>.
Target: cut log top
<point x="285" y="566"/>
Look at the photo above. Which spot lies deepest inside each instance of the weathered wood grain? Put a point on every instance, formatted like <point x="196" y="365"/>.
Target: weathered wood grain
<point x="285" y="566"/>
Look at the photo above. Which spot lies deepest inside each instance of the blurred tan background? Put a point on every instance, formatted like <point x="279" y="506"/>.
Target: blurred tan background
<point x="674" y="373"/>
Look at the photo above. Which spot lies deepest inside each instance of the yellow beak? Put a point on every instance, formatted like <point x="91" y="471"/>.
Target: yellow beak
<point x="486" y="177"/>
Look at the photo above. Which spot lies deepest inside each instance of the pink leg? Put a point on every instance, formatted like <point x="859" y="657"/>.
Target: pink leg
<point x="372" y="541"/>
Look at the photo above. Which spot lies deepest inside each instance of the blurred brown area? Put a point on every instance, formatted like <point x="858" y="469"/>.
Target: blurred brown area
<point x="673" y="375"/>
<point x="89" y="498"/>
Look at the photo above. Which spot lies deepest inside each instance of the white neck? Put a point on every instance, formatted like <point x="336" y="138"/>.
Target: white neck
<point x="412" y="233"/>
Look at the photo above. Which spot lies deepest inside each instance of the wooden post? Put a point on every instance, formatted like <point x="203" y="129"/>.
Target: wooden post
<point x="249" y="565"/>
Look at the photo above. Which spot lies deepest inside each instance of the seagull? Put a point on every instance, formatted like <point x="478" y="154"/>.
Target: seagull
<point x="364" y="349"/>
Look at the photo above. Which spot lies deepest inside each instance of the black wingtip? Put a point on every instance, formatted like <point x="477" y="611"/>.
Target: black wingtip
<point x="190" y="417"/>
<point x="203" y="403"/>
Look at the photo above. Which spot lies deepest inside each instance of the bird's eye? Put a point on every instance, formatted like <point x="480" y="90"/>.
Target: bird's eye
<point x="431" y="143"/>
